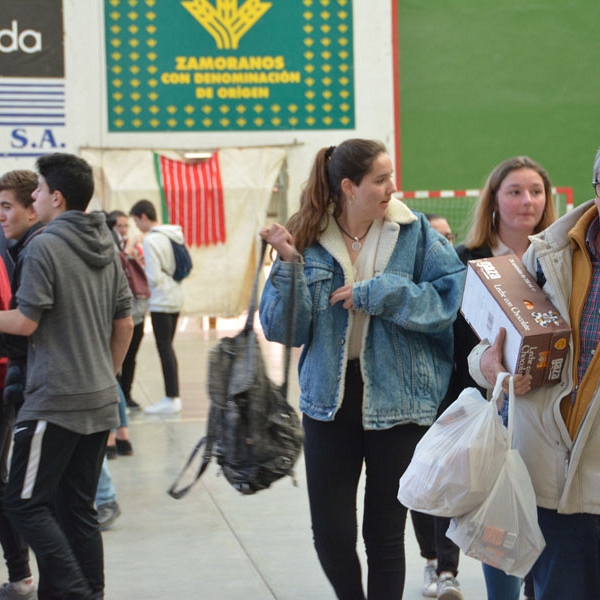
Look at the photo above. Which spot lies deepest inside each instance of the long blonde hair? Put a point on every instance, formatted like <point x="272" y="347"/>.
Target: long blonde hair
<point x="484" y="230"/>
<point x="352" y="159"/>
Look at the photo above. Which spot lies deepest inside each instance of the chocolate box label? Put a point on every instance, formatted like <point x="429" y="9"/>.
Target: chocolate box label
<point x="500" y="292"/>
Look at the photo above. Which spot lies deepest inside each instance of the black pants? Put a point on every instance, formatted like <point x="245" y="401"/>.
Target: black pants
<point x="14" y="546"/>
<point x="334" y="456"/>
<point x="430" y="532"/>
<point x="50" y="499"/>
<point x="164" y="326"/>
<point x="128" y="367"/>
<point x="424" y="527"/>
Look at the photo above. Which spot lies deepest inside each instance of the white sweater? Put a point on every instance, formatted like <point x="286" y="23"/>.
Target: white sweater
<point x="166" y="294"/>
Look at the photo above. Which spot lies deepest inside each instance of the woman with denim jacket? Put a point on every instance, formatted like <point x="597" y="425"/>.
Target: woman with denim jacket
<point x="377" y="293"/>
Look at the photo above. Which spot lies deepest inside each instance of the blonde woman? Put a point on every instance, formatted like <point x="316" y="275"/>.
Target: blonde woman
<point x="515" y="203"/>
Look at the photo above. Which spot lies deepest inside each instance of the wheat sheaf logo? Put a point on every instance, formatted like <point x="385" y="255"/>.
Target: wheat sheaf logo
<point x="225" y="22"/>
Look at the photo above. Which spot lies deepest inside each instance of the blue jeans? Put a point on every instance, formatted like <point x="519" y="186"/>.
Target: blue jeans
<point x="569" y="566"/>
<point x="122" y="407"/>
<point x="106" y="490"/>
<point x="500" y="586"/>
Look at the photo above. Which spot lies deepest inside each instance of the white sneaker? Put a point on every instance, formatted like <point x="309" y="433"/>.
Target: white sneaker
<point x="167" y="406"/>
<point x="21" y="590"/>
<point x="430" y="580"/>
<point x="448" y="588"/>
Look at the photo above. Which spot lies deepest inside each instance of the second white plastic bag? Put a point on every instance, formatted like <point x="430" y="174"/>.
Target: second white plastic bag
<point x="503" y="532"/>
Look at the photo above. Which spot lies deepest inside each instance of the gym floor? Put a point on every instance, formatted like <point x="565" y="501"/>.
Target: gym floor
<point x="215" y="544"/>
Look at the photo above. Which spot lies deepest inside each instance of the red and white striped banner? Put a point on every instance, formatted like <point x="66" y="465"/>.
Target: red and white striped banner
<point x="437" y="194"/>
<point x="193" y="194"/>
<point x="412" y="195"/>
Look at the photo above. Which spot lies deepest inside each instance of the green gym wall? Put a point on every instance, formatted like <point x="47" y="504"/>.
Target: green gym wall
<point x="479" y="81"/>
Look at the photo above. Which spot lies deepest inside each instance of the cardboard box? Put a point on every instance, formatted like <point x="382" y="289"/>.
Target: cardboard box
<point x="500" y="292"/>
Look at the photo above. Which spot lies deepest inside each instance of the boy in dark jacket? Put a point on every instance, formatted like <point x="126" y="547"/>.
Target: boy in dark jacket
<point x="19" y="223"/>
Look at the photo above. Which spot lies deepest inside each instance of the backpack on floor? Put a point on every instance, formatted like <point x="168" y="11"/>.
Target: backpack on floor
<point x="252" y="431"/>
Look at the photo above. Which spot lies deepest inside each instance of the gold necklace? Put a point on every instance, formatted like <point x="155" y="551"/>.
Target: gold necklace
<point x="356" y="245"/>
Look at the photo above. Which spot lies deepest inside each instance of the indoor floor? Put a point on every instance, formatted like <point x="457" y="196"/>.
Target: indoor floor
<point x="215" y="544"/>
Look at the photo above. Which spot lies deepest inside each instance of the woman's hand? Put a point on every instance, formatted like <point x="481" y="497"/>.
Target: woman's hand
<point x="342" y="294"/>
<point x="491" y="365"/>
<point x="281" y="239"/>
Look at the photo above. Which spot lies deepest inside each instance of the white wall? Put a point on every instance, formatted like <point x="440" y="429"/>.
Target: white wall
<point x="86" y="96"/>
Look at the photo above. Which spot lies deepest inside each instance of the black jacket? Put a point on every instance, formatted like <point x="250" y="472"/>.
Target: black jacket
<point x="464" y="338"/>
<point x="15" y="346"/>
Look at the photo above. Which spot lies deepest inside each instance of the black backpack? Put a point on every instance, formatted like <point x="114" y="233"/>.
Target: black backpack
<point x="183" y="260"/>
<point x="253" y="432"/>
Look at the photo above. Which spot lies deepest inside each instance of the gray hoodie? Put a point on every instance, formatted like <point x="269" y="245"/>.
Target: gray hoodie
<point x="73" y="286"/>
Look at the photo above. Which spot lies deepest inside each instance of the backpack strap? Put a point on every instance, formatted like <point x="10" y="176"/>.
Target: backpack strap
<point x="254" y="296"/>
<point x="290" y="327"/>
<point x="207" y="441"/>
<point x="291" y="321"/>
<point x="179" y="493"/>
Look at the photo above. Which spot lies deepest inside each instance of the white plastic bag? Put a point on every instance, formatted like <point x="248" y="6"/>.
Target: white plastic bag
<point x="456" y="463"/>
<point x="503" y="531"/>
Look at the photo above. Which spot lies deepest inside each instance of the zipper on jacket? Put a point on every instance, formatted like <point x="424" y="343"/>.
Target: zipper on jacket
<point x="574" y="394"/>
<point x="567" y="460"/>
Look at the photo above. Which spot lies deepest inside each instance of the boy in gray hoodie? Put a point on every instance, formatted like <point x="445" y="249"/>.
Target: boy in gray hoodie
<point x="74" y="304"/>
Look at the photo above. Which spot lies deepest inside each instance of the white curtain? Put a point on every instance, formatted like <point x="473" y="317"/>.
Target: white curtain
<point x="221" y="280"/>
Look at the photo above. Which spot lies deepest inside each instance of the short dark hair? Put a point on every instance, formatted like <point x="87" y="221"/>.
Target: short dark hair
<point x="111" y="217"/>
<point x="143" y="207"/>
<point x="70" y="175"/>
<point x="22" y="183"/>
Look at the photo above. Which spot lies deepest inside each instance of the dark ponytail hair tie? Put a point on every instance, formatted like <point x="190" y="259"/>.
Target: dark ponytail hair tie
<point x="329" y="152"/>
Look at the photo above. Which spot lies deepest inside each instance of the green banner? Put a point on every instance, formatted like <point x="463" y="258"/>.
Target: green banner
<point x="226" y="65"/>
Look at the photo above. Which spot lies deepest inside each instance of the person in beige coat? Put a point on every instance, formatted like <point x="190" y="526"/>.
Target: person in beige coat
<point x="557" y="428"/>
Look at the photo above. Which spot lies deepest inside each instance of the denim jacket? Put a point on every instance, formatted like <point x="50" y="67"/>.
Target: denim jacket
<point x="411" y="303"/>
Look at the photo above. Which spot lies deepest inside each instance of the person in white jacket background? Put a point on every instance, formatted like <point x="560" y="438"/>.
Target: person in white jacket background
<point x="557" y="427"/>
<point x="166" y="297"/>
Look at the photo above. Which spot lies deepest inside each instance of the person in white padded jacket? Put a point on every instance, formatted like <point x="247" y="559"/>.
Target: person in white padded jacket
<point x="166" y="297"/>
